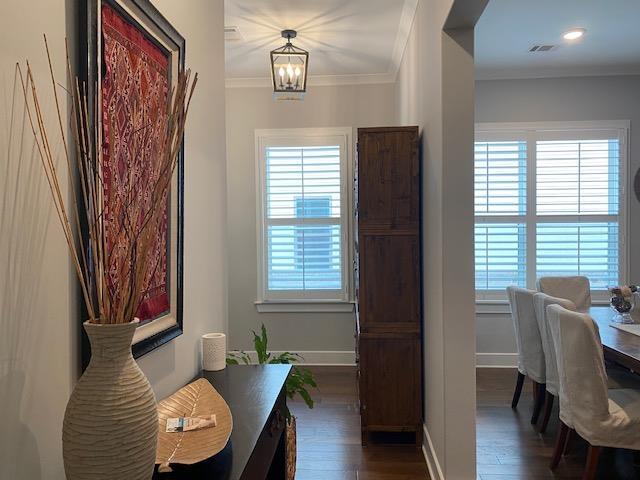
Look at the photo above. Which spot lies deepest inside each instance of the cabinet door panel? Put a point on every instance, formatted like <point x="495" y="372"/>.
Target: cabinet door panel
<point x="390" y="382"/>
<point x="389" y="287"/>
<point x="388" y="177"/>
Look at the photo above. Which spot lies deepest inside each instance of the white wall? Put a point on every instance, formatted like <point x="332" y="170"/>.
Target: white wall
<point x="39" y="346"/>
<point x="38" y="323"/>
<point x="205" y="260"/>
<point x="435" y="90"/>
<point x="254" y="108"/>
<point x="558" y="99"/>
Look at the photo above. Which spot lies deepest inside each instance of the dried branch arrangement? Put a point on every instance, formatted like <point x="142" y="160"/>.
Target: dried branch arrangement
<point x="113" y="269"/>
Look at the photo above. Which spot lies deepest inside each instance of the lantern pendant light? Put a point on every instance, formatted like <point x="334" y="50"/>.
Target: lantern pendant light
<point x="289" y="66"/>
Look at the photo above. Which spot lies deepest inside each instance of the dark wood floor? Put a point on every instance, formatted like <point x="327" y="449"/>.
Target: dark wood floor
<point x="329" y="437"/>
<point x="508" y="447"/>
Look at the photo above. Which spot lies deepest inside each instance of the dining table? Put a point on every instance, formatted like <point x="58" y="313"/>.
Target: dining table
<point x="619" y="346"/>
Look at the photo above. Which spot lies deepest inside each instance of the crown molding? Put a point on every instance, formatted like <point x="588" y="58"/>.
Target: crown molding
<point x="402" y="37"/>
<point x="555" y="72"/>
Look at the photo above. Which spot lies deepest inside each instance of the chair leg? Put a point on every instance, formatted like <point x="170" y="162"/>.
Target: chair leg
<point x="548" y="408"/>
<point x="539" y="402"/>
<point x="568" y="442"/>
<point x="518" y="390"/>
<point x="563" y="432"/>
<point x="592" y="463"/>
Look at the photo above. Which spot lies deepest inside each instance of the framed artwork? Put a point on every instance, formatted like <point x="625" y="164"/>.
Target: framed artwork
<point x="133" y="56"/>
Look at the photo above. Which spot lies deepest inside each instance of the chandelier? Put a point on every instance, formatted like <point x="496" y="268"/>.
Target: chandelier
<point x="289" y="69"/>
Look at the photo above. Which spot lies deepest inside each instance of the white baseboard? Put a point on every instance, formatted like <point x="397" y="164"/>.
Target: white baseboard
<point x="496" y="360"/>
<point x="329" y="358"/>
<point x="347" y="357"/>
<point x="435" y="471"/>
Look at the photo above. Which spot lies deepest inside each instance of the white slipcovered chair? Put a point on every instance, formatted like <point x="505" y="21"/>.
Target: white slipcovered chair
<point x="604" y="418"/>
<point x="577" y="289"/>
<point x="540" y="302"/>
<point x="530" y="353"/>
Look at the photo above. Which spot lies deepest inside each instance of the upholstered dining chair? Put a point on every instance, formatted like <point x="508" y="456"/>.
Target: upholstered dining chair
<point x="577" y="289"/>
<point x="617" y="377"/>
<point x="530" y="353"/>
<point x="540" y="302"/>
<point x="604" y="418"/>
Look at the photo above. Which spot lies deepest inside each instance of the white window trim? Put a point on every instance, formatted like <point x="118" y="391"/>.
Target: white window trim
<point x="486" y="130"/>
<point x="299" y="136"/>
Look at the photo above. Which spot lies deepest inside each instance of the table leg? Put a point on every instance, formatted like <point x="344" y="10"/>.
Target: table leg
<point x="278" y="470"/>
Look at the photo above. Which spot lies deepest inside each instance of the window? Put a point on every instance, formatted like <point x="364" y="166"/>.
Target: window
<point x="304" y="217"/>
<point x="548" y="202"/>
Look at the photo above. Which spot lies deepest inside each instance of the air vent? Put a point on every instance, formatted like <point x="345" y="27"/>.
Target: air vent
<point x="543" y="48"/>
<point x="232" y="34"/>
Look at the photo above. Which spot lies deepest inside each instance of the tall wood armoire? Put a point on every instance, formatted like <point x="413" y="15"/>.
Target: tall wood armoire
<point x="388" y="280"/>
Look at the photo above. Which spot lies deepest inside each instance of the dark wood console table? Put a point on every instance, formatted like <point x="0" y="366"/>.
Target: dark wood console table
<point x="256" y="450"/>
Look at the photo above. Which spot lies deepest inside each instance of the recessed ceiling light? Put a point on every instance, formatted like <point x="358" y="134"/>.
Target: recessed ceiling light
<point x="574" y="33"/>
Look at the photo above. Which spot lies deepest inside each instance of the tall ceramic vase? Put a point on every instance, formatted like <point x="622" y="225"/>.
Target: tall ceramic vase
<point x="111" y="423"/>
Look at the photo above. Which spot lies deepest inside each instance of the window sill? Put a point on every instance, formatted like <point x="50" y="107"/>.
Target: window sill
<point x="493" y="307"/>
<point x="304" y="307"/>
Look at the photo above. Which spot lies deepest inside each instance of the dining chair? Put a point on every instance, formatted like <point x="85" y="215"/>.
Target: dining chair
<point x="540" y="302"/>
<point x="602" y="417"/>
<point x="529" y="343"/>
<point x="621" y="377"/>
<point x="576" y="288"/>
<point x="617" y="377"/>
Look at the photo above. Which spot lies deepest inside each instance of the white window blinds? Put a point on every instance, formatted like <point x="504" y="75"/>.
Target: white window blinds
<point x="578" y="185"/>
<point x="500" y="250"/>
<point x="579" y="248"/>
<point x="303" y="204"/>
<point x="304" y="211"/>
<point x="500" y="178"/>
<point x="547" y="203"/>
<point x="500" y="196"/>
<point x="578" y="177"/>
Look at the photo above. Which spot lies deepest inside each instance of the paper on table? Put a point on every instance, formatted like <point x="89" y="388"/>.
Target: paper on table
<point x="186" y="424"/>
<point x="632" y="328"/>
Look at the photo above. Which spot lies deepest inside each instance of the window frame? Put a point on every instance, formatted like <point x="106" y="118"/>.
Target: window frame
<point x="531" y="132"/>
<point x="293" y="300"/>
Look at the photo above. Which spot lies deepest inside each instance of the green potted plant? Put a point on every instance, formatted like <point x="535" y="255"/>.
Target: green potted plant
<point x="298" y="382"/>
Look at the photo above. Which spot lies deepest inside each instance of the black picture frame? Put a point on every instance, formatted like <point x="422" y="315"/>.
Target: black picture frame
<point x="88" y="69"/>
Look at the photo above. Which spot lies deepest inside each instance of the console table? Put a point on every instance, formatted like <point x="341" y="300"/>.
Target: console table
<point x="257" y="398"/>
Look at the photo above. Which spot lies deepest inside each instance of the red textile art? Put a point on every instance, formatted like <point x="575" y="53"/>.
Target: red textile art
<point x="135" y="86"/>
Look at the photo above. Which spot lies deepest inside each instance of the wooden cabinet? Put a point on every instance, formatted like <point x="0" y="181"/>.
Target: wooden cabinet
<point x="390" y="372"/>
<point x="388" y="280"/>
<point x="389" y="297"/>
<point x="388" y="177"/>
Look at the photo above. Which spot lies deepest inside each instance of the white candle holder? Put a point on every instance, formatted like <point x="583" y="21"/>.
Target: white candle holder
<point x="214" y="351"/>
